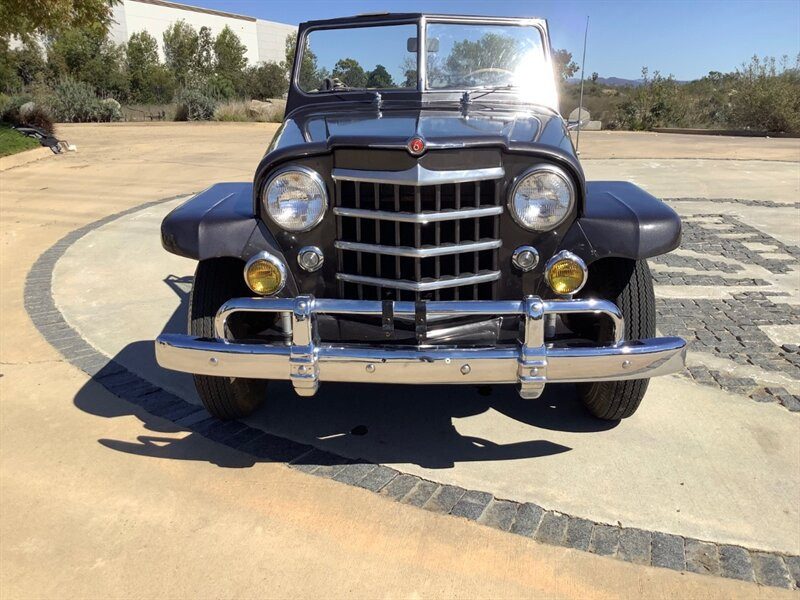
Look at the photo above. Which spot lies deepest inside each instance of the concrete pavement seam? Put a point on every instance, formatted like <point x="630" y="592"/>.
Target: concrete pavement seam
<point x="521" y="518"/>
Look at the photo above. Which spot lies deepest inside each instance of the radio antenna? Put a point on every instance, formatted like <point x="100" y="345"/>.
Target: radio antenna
<point x="583" y="73"/>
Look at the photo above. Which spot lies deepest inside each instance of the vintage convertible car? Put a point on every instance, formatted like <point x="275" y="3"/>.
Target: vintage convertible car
<point x="421" y="217"/>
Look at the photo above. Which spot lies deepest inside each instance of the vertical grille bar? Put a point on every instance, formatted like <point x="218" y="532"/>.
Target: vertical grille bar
<point x="378" y="232"/>
<point x="476" y="237"/>
<point x="357" y="186"/>
<point x="458" y="238"/>
<point x="496" y="235"/>
<point x="339" y="253"/>
<point x="437" y="265"/>
<point x="417" y="232"/>
<point x="397" y="231"/>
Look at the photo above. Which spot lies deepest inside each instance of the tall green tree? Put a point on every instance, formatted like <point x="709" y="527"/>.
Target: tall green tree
<point x="310" y="76"/>
<point x="26" y="18"/>
<point x="563" y="65"/>
<point x="379" y="77"/>
<point x="86" y="54"/>
<point x="181" y="43"/>
<point x="350" y="73"/>
<point x="150" y="81"/>
<point x="229" y="55"/>
<point x="29" y="62"/>
<point x="204" y="59"/>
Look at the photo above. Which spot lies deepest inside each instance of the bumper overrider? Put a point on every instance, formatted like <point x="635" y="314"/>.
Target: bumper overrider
<point x="305" y="361"/>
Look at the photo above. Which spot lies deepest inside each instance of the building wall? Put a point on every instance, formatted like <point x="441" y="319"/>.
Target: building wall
<point x="265" y="40"/>
<point x="272" y="40"/>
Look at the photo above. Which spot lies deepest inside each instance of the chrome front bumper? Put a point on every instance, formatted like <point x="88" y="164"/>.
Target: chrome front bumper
<point x="305" y="361"/>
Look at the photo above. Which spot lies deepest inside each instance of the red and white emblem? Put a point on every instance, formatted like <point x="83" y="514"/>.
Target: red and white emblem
<point x="416" y="145"/>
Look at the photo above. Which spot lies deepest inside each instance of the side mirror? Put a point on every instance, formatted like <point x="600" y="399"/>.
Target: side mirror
<point x="432" y="44"/>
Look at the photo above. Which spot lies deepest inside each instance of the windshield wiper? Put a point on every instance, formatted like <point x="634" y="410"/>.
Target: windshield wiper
<point x="497" y="88"/>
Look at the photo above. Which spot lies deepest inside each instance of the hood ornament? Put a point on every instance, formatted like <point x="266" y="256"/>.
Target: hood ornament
<point x="416" y="145"/>
<point x="466" y="102"/>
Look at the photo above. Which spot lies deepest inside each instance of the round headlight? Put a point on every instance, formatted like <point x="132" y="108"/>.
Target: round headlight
<point x="295" y="198"/>
<point x="542" y="198"/>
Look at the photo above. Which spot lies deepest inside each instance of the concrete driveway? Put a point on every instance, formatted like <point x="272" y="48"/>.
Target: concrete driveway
<point x="79" y="518"/>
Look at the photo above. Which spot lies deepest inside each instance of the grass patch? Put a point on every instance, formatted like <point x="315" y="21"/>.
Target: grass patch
<point x="12" y="141"/>
<point x="237" y="110"/>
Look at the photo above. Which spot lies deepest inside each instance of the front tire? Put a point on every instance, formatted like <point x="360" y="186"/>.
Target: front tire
<point x="630" y="285"/>
<point x="215" y="282"/>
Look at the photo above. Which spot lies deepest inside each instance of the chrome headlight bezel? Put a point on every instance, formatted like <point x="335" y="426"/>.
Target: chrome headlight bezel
<point x="316" y="179"/>
<point x="542" y="168"/>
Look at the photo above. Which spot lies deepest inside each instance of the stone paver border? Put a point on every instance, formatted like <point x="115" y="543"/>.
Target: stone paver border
<point x="528" y="519"/>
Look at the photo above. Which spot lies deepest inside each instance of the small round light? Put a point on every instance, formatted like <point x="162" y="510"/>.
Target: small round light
<point x="542" y="198"/>
<point x="525" y="258"/>
<point x="265" y="274"/>
<point x="566" y="273"/>
<point x="310" y="258"/>
<point x="295" y="198"/>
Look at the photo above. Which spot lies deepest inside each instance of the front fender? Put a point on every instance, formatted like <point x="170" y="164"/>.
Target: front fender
<point x="621" y="220"/>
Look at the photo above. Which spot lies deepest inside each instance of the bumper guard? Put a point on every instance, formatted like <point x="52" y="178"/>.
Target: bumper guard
<point x="305" y="361"/>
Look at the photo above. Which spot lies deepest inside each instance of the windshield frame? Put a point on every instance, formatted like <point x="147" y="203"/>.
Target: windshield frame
<point x="305" y="98"/>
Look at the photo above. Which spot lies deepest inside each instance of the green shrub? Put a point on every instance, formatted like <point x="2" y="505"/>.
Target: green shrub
<point x="767" y="96"/>
<point x="194" y="105"/>
<point x="74" y="101"/>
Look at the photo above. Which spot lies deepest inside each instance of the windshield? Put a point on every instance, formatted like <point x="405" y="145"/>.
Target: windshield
<point x="357" y="58"/>
<point x="476" y="56"/>
<point x="459" y="56"/>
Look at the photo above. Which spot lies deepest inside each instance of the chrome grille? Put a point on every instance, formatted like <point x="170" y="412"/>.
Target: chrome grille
<point x="399" y="241"/>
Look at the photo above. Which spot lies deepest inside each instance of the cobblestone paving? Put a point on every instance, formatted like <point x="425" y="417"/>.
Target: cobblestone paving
<point x="731" y="328"/>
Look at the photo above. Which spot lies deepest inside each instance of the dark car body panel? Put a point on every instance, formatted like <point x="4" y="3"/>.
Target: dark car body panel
<point x="219" y="222"/>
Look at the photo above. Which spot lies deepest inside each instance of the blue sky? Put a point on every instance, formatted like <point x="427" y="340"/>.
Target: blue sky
<point x="686" y="38"/>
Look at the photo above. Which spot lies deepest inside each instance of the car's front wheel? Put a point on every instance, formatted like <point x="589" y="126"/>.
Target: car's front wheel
<point x="215" y="282"/>
<point x="630" y="285"/>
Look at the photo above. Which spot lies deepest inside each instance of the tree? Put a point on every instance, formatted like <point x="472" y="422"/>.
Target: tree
<point x="563" y="65"/>
<point x="490" y="51"/>
<point x="86" y="54"/>
<point x="767" y="95"/>
<point x="379" y="77"/>
<point x="266" y="80"/>
<point x="309" y="77"/>
<point x="594" y="77"/>
<point x="180" y="50"/>
<point x="229" y="55"/>
<point x="150" y="81"/>
<point x="26" y="18"/>
<point x="350" y="73"/>
<point x="204" y="59"/>
<point x="657" y="102"/>
<point x="29" y="62"/>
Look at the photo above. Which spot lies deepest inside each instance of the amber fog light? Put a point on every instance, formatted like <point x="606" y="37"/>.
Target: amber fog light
<point x="265" y="274"/>
<point x="566" y="273"/>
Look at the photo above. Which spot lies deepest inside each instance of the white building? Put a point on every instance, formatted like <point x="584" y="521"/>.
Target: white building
<point x="265" y="40"/>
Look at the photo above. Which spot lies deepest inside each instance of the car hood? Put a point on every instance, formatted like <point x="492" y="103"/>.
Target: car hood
<point x="438" y="128"/>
